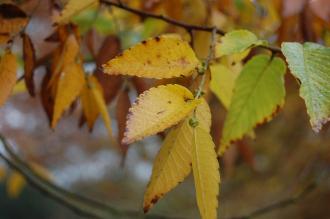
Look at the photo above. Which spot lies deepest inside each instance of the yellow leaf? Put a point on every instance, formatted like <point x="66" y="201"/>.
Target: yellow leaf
<point x="70" y="83"/>
<point x="173" y="162"/>
<point x="206" y="173"/>
<point x="88" y="101"/>
<point x="2" y="173"/>
<point x="157" y="109"/>
<point x="101" y="106"/>
<point x="223" y="82"/>
<point x="67" y="55"/>
<point x="72" y="8"/>
<point x="165" y="56"/>
<point x="8" y="67"/>
<point x="19" y="87"/>
<point x="15" y="184"/>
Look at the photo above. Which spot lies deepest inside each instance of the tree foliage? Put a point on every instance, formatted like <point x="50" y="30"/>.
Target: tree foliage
<point x="245" y="72"/>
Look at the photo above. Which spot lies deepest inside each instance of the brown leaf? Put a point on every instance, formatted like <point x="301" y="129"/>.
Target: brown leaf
<point x="141" y="84"/>
<point x="321" y="8"/>
<point x="47" y="98"/>
<point x="29" y="63"/>
<point x="109" y="49"/>
<point x="110" y="83"/>
<point x="122" y="108"/>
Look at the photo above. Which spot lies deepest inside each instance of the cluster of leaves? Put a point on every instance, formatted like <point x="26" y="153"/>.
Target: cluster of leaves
<point x="250" y="87"/>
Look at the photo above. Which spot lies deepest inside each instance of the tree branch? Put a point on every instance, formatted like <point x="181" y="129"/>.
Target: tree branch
<point x="81" y="205"/>
<point x="188" y="27"/>
<point x="91" y="208"/>
<point x="278" y="205"/>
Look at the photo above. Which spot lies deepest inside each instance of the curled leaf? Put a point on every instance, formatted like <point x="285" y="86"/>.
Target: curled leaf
<point x="29" y="63"/>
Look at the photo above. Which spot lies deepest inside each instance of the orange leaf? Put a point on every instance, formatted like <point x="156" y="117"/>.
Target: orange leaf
<point x="8" y="67"/>
<point x="91" y="112"/>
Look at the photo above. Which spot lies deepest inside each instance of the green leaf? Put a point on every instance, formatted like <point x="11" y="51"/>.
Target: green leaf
<point x="258" y="93"/>
<point x="310" y="63"/>
<point x="237" y="41"/>
<point x="222" y="83"/>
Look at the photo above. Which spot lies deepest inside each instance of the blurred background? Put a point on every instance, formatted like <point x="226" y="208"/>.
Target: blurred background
<point x="279" y="163"/>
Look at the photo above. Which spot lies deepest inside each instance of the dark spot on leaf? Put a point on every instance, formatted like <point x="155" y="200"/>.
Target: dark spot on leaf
<point x="146" y="208"/>
<point x="155" y="199"/>
<point x="157" y="39"/>
<point x="158" y="55"/>
<point x="148" y="62"/>
<point x="144" y="42"/>
<point x="169" y="102"/>
<point x="160" y="112"/>
<point x="183" y="61"/>
<point x="186" y="99"/>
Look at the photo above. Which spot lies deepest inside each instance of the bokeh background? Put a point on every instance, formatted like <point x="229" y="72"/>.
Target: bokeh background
<point x="279" y="163"/>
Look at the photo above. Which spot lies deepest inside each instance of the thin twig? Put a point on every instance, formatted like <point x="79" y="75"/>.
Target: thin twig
<point x="81" y="205"/>
<point x="161" y="17"/>
<point x="206" y="64"/>
<point x="278" y="205"/>
<point x="186" y="26"/>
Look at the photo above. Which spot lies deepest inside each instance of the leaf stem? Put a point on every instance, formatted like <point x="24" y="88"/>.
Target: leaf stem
<point x="206" y="64"/>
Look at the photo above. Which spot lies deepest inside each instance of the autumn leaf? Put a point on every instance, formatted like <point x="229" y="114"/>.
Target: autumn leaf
<point x="70" y="83"/>
<point x="15" y="184"/>
<point x="101" y="106"/>
<point x="91" y="112"/>
<point x="3" y="172"/>
<point x="157" y="109"/>
<point x="67" y="55"/>
<point x="29" y="63"/>
<point x="165" y="56"/>
<point x="122" y="109"/>
<point x="8" y="68"/>
<point x="173" y="162"/>
<point x="47" y="97"/>
<point x="310" y="63"/>
<point x="12" y="20"/>
<point x="223" y="82"/>
<point x="110" y="83"/>
<point x="72" y="8"/>
<point x="206" y="173"/>
<point x="237" y="41"/>
<point x="259" y="92"/>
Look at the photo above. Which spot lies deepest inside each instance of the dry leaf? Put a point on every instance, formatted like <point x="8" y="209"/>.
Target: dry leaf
<point x="8" y="68"/>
